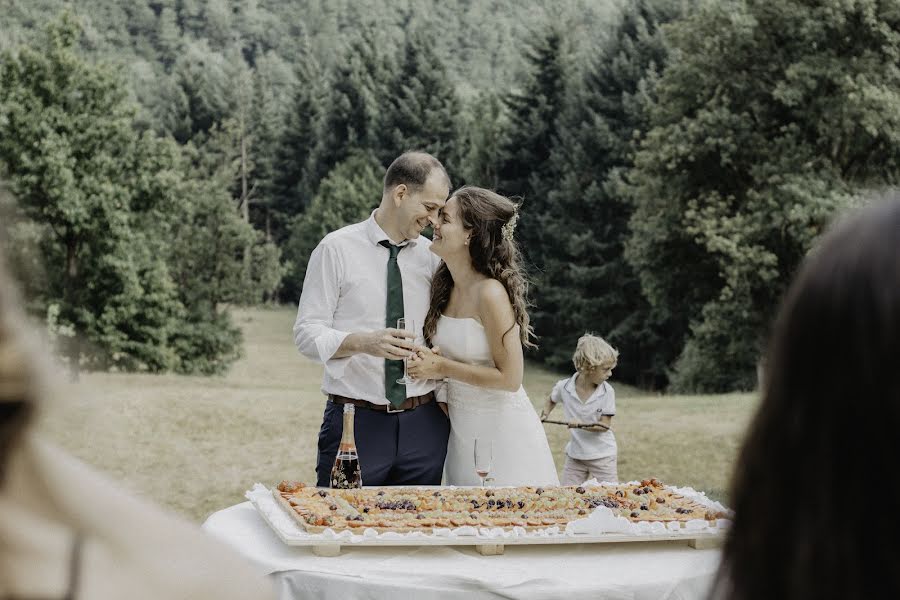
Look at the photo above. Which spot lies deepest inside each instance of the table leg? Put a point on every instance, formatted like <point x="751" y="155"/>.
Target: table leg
<point x="327" y="550"/>
<point x="489" y="549"/>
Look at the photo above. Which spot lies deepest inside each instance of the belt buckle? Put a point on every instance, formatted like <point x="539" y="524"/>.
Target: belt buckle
<point x="391" y="410"/>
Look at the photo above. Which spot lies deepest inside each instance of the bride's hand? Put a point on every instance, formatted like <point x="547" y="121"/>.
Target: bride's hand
<point x="425" y="364"/>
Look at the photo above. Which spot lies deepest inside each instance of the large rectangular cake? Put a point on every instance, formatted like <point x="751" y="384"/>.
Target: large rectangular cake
<point x="407" y="509"/>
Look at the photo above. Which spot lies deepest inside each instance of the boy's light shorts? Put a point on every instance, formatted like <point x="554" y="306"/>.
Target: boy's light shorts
<point x="576" y="471"/>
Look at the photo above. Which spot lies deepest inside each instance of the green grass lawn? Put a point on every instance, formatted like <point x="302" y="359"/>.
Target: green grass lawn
<point x="195" y="444"/>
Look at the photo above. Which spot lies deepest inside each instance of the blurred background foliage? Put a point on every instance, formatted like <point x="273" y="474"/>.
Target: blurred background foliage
<point x="161" y="161"/>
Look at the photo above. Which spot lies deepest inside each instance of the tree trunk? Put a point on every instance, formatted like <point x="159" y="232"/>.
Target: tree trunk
<point x="245" y="200"/>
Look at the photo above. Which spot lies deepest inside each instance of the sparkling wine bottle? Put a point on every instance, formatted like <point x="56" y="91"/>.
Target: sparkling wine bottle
<point x="346" y="473"/>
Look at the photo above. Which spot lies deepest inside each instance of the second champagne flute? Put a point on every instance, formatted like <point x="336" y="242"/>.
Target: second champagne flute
<point x="484" y="457"/>
<point x="410" y="326"/>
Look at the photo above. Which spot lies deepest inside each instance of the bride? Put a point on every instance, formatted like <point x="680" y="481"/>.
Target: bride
<point x="477" y="325"/>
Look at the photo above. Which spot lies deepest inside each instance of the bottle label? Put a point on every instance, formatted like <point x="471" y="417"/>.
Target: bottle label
<point x="346" y="473"/>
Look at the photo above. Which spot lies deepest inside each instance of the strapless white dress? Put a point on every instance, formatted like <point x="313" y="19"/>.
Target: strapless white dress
<point x="521" y="454"/>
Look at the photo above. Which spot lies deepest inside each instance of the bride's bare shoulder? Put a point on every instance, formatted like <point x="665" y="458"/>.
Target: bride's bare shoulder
<point x="493" y="299"/>
<point x="491" y="290"/>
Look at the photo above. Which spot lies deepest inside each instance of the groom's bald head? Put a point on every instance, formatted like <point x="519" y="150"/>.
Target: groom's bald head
<point x="413" y="169"/>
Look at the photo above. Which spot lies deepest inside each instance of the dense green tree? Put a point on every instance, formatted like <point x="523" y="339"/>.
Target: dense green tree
<point x="533" y="110"/>
<point x="112" y="199"/>
<point x="218" y="22"/>
<point x="240" y="259"/>
<point x="254" y="22"/>
<point x="524" y="168"/>
<point x="350" y="192"/>
<point x="142" y="24"/>
<point x="482" y="128"/>
<point x="78" y="168"/>
<point x="586" y="283"/>
<point x="205" y="78"/>
<point x="357" y="91"/>
<point x="165" y="106"/>
<point x="191" y="17"/>
<point x="419" y="108"/>
<point x="291" y="190"/>
<point x="479" y="41"/>
<point x="773" y="114"/>
<point x="169" y="36"/>
<point x="271" y="99"/>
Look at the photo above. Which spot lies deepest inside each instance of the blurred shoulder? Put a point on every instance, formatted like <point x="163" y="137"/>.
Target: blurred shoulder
<point x="133" y="548"/>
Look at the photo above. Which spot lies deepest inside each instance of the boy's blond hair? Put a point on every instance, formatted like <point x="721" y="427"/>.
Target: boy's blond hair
<point x="592" y="351"/>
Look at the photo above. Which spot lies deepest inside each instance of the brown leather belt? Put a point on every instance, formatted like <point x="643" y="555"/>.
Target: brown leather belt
<point x="410" y="404"/>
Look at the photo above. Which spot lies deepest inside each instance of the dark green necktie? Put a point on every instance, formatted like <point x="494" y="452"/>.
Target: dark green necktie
<point x="393" y="369"/>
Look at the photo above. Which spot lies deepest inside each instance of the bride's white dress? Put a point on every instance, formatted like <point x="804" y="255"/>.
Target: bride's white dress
<point x="521" y="454"/>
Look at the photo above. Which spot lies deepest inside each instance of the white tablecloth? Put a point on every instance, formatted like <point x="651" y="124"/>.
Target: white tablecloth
<point x="633" y="570"/>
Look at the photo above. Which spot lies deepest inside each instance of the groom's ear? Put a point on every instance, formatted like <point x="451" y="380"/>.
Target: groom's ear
<point x="399" y="194"/>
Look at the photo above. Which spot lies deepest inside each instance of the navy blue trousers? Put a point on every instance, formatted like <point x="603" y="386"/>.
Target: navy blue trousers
<point x="405" y="448"/>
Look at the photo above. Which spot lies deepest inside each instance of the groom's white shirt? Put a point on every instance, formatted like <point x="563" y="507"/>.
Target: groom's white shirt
<point x="345" y="291"/>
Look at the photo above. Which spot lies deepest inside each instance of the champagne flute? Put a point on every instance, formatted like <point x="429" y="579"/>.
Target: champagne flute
<point x="410" y="326"/>
<point x="484" y="457"/>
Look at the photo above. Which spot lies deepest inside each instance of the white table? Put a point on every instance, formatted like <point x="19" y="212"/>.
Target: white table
<point x="634" y="570"/>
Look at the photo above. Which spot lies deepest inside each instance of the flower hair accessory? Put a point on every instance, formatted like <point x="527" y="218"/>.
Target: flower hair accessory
<point x="510" y="226"/>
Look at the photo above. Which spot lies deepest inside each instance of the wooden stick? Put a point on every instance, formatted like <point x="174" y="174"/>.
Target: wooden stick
<point x="576" y="425"/>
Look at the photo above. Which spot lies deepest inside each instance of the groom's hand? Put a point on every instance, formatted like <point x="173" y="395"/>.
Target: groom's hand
<point x="394" y="344"/>
<point x="426" y="364"/>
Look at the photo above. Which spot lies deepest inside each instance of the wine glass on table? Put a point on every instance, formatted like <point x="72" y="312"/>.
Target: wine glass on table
<point x="484" y="457"/>
<point x="410" y="326"/>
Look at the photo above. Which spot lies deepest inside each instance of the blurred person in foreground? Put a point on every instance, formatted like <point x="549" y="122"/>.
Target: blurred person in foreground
<point x="68" y="532"/>
<point x="816" y="481"/>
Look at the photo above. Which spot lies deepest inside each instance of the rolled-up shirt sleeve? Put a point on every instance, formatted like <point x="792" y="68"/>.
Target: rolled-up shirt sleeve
<point x="556" y="393"/>
<point x="314" y="333"/>
<point x="610" y="409"/>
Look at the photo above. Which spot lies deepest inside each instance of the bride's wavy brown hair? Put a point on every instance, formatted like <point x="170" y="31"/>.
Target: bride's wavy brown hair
<point x="484" y="213"/>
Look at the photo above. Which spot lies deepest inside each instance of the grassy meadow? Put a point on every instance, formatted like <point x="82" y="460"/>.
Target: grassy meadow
<point x="195" y="444"/>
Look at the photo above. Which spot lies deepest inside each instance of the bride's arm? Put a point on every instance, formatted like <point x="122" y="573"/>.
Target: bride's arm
<point x="499" y="323"/>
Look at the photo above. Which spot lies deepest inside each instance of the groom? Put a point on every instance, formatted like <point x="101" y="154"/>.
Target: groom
<point x="359" y="281"/>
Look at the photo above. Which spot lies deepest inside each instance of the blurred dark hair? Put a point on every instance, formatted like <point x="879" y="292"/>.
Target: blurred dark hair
<point x="412" y="169"/>
<point x="816" y="481"/>
<point x="18" y="380"/>
<point x="484" y="213"/>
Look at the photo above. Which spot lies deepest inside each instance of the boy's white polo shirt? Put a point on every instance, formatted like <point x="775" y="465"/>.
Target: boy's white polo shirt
<point x="587" y="445"/>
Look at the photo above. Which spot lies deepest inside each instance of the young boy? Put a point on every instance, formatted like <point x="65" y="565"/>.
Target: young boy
<point x="588" y="398"/>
